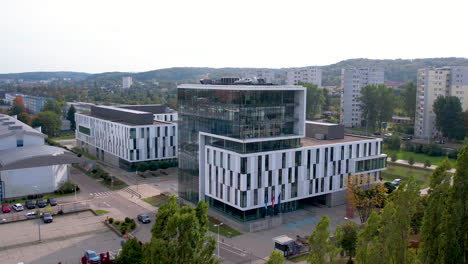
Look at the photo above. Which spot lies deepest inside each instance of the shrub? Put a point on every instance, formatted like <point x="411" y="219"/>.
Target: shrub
<point x="133" y="226"/>
<point x="350" y="261"/>
<point x="418" y="148"/>
<point x="393" y="142"/>
<point x="111" y="220"/>
<point x="393" y="157"/>
<point x="123" y="230"/>
<point x="117" y="222"/>
<point x="411" y="160"/>
<point x="127" y="220"/>
<point x="453" y="154"/>
<point x="67" y="187"/>
<point x="434" y="150"/>
<point x="427" y="163"/>
<point x="153" y="166"/>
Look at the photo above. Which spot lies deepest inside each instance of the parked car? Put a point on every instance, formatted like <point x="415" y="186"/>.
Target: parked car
<point x="91" y="255"/>
<point x="41" y="203"/>
<point x="407" y="138"/>
<point x="388" y="135"/>
<point x="2" y="220"/>
<point x="144" y="218"/>
<point x="6" y="208"/>
<point x="18" y="207"/>
<point x="52" y="201"/>
<point x="396" y="182"/>
<point x="47" y="217"/>
<point x="377" y="134"/>
<point x="30" y="215"/>
<point x="30" y="204"/>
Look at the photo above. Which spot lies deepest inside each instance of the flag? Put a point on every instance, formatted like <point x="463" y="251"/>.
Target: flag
<point x="279" y="199"/>
<point x="266" y="202"/>
<point x="273" y="201"/>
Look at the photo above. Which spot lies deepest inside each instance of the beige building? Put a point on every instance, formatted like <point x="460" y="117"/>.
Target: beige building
<point x="434" y="82"/>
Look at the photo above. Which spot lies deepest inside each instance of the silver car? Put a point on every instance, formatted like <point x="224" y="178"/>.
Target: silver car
<point x="18" y="207"/>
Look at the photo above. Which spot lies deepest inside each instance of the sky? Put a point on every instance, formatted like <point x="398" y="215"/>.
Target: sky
<point x="102" y="36"/>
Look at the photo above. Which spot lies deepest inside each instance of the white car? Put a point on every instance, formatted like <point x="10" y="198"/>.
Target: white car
<point x="396" y="182"/>
<point x="388" y="135"/>
<point x="18" y="207"/>
<point x="30" y="215"/>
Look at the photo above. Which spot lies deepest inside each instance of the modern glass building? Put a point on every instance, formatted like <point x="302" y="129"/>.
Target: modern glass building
<point x="243" y="148"/>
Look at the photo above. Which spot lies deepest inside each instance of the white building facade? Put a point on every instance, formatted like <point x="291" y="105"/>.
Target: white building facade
<point x="248" y="151"/>
<point x="305" y="75"/>
<point x="27" y="166"/>
<point x="352" y="80"/>
<point x="432" y="83"/>
<point x="123" y="142"/>
<point x="127" y="82"/>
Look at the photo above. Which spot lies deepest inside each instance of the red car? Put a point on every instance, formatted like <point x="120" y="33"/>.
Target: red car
<point x="6" y="208"/>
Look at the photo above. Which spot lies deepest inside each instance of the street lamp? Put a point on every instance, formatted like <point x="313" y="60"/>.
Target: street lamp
<point x="218" y="225"/>
<point x="75" y="192"/>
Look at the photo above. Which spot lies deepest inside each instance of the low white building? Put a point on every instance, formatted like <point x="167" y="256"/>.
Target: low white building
<point x="27" y="166"/>
<point x="127" y="135"/>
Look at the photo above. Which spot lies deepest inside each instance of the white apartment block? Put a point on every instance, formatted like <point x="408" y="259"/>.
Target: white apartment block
<point x="126" y="135"/>
<point x="127" y="82"/>
<point x="306" y="75"/>
<point x="352" y="80"/>
<point x="432" y="83"/>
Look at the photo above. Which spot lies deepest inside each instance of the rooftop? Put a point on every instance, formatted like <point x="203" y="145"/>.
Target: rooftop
<point x="312" y="142"/>
<point x="241" y="87"/>
<point x="11" y="126"/>
<point x="35" y="156"/>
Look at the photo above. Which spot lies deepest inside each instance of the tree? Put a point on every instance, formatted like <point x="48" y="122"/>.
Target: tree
<point x="18" y="106"/>
<point x="432" y="237"/>
<point x="71" y="117"/>
<point x="49" y="121"/>
<point x="364" y="195"/>
<point x="411" y="160"/>
<point x="409" y="99"/>
<point x="24" y="117"/>
<point x="377" y="103"/>
<point x="132" y="252"/>
<point x="393" y="142"/>
<point x="346" y="237"/>
<point x="465" y="122"/>
<point x="427" y="163"/>
<point x="393" y="157"/>
<point x="179" y="236"/>
<point x="53" y="106"/>
<point x="314" y="101"/>
<point x="275" y="258"/>
<point x="322" y="250"/>
<point x="385" y="237"/>
<point x="449" y="116"/>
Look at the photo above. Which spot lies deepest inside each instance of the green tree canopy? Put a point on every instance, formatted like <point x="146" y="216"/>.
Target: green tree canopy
<point x="314" y="101"/>
<point x="377" y="103"/>
<point x="322" y="249"/>
<point x="53" y="106"/>
<point x="179" y="236"/>
<point x="449" y="116"/>
<point x="275" y="258"/>
<point x="132" y="252"/>
<point x="49" y="121"/>
<point x="71" y="117"/>
<point x="346" y="237"/>
<point x="409" y="99"/>
<point x="24" y="117"/>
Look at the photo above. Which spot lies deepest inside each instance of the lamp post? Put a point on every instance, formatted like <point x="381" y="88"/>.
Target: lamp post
<point x="218" y="225"/>
<point x="75" y="192"/>
<point x="39" y="224"/>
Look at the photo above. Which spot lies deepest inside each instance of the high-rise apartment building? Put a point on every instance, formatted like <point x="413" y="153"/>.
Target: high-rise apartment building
<point x="432" y="83"/>
<point x="248" y="151"/>
<point x="127" y="82"/>
<point x="33" y="104"/>
<point x="127" y="135"/>
<point x="352" y="80"/>
<point x="306" y="75"/>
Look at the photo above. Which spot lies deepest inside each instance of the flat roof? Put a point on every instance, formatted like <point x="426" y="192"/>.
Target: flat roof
<point x="155" y="122"/>
<point x="321" y="123"/>
<point x="312" y="142"/>
<point x="116" y="108"/>
<point x="242" y="87"/>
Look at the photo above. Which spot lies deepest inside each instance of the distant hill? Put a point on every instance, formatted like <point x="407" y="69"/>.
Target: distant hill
<point x="395" y="70"/>
<point x="37" y="76"/>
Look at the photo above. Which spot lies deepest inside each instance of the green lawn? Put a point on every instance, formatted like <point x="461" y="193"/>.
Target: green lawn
<point x="64" y="135"/>
<point x="156" y="200"/>
<point x="418" y="157"/>
<point x="397" y="171"/>
<point x="299" y="259"/>
<point x="99" y="212"/>
<point x="224" y="230"/>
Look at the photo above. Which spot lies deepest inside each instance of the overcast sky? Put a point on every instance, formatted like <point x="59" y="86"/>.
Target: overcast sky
<point x="101" y="36"/>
